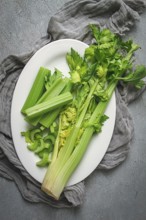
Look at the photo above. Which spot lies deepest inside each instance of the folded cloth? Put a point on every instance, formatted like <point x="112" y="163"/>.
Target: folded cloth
<point x="71" y="21"/>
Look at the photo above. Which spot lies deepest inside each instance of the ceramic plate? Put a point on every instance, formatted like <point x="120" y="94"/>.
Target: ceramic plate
<point x="53" y="56"/>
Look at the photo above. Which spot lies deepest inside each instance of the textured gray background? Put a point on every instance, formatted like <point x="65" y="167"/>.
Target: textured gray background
<point x="119" y="194"/>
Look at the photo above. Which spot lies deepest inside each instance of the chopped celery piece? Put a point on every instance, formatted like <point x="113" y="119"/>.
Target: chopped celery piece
<point x="48" y="118"/>
<point x="35" y="133"/>
<point x="40" y="141"/>
<point x="46" y="159"/>
<point x="54" y="90"/>
<point x="50" y="138"/>
<point x="52" y="103"/>
<point x="33" y="146"/>
<point x="37" y="89"/>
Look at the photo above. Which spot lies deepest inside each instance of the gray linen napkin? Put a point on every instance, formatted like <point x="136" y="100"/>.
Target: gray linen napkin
<point x="71" y="21"/>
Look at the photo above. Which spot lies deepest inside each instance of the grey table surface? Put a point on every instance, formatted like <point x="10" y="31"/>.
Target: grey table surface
<point x="119" y="194"/>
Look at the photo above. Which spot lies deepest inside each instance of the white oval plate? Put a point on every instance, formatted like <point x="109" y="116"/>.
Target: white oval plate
<point x="53" y="56"/>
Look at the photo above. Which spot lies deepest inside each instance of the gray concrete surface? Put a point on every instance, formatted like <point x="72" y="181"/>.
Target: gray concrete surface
<point x="119" y="194"/>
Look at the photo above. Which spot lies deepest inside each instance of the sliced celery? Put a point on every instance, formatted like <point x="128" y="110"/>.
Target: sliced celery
<point x="54" y="90"/>
<point x="44" y="161"/>
<point x="52" y="103"/>
<point x="48" y="118"/>
<point x="37" y="89"/>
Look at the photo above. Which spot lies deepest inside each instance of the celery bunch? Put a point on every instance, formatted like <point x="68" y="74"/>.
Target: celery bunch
<point x="93" y="79"/>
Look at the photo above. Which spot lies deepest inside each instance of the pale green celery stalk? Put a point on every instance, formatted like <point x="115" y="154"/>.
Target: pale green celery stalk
<point x="59" y="172"/>
<point x="36" y="90"/>
<point x="56" y="146"/>
<point x="53" y="91"/>
<point x="65" y="152"/>
<point x="71" y="164"/>
<point x="49" y="105"/>
<point x="55" y="188"/>
<point x="48" y="118"/>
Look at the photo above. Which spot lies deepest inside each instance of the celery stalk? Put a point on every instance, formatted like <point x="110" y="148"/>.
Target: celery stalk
<point x="59" y="172"/>
<point x="55" y="89"/>
<point x="48" y="118"/>
<point x="65" y="153"/>
<point x="36" y="89"/>
<point x="52" y="103"/>
<point x="58" y="182"/>
<point x="55" y="184"/>
<point x="69" y="167"/>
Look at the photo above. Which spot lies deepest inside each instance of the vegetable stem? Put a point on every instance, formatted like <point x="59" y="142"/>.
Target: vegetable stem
<point x="65" y="153"/>
<point x="36" y="89"/>
<point x="49" y="105"/>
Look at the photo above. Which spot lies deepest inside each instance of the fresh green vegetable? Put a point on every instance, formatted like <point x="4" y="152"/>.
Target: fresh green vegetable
<point x="37" y="89"/>
<point x="52" y="103"/>
<point x="53" y="90"/>
<point x="41" y="141"/>
<point x="54" y="86"/>
<point x="78" y="107"/>
<point x="109" y="59"/>
<point x="48" y="118"/>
